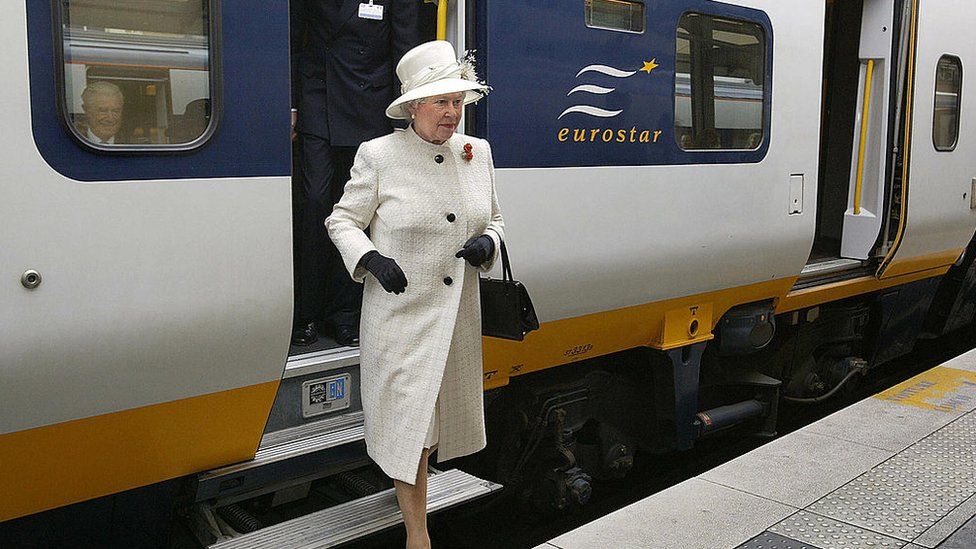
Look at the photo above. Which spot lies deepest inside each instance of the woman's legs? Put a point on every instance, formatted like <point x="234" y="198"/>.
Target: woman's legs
<point x="412" y="499"/>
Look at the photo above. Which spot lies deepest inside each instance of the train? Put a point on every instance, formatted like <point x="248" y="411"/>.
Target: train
<point x="718" y="208"/>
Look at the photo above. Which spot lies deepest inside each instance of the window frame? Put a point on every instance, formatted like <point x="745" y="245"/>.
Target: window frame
<point x="766" y="121"/>
<point x="935" y="103"/>
<point x="598" y="27"/>
<point x="122" y="149"/>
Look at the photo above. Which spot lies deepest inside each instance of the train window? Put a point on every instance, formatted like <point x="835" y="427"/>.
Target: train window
<point x="137" y="75"/>
<point x="948" y="90"/>
<point x="619" y="15"/>
<point x="719" y="83"/>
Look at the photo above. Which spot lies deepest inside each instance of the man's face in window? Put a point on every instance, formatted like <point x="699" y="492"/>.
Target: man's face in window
<point x="104" y="114"/>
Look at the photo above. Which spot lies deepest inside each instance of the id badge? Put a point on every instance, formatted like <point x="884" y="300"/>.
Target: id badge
<point x="371" y="11"/>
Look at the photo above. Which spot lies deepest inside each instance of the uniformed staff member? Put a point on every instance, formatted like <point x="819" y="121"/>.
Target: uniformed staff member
<point x="427" y="195"/>
<point x="343" y="58"/>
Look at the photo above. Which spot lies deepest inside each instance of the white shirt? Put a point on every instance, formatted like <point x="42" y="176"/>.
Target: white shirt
<point x="94" y="139"/>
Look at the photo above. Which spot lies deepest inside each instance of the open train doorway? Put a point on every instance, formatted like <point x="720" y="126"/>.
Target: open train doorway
<point x="855" y="132"/>
<point x="327" y="302"/>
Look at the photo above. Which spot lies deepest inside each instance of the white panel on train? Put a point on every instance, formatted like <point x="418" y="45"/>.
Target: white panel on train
<point x="940" y="219"/>
<point x="150" y="289"/>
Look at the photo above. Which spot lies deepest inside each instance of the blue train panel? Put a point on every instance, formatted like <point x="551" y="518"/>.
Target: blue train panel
<point x="565" y="94"/>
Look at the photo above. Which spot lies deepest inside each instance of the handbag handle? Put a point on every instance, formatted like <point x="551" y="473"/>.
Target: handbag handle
<point x="506" y="265"/>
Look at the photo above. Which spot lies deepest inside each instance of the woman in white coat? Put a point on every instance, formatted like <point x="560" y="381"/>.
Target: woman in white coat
<point x="427" y="196"/>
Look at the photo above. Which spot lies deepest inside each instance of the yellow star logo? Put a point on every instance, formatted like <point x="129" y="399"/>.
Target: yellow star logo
<point x="650" y="65"/>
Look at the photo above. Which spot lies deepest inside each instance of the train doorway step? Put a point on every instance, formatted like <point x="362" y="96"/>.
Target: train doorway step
<point x="324" y="343"/>
<point x="361" y="517"/>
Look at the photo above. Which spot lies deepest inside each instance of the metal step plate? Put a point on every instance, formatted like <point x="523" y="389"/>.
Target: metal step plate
<point x="361" y="517"/>
<point x="829" y="266"/>
<point x="321" y="361"/>
<point x="290" y="453"/>
<point x="302" y="440"/>
<point x="277" y="442"/>
<point x="832" y="270"/>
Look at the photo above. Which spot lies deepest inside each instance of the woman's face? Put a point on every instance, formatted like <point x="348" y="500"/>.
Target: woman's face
<point x="437" y="118"/>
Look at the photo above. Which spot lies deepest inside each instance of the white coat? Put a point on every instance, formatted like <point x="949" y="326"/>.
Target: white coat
<point x="427" y="340"/>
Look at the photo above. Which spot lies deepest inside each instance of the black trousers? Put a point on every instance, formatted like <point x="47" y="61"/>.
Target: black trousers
<point x="324" y="290"/>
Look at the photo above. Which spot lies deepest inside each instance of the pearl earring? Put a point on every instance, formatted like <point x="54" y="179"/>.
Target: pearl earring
<point x="413" y="117"/>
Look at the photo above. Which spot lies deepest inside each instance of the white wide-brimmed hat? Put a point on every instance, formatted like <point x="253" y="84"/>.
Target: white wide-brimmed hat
<point x="430" y="69"/>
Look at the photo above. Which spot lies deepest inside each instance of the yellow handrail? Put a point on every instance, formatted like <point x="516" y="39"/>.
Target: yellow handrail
<point x="865" y="114"/>
<point x="442" y="20"/>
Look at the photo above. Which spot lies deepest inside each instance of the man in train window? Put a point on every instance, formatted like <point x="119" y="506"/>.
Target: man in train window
<point x="102" y="103"/>
<point x="343" y="57"/>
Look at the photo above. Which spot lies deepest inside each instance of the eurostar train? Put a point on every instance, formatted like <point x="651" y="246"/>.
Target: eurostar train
<point x="716" y="207"/>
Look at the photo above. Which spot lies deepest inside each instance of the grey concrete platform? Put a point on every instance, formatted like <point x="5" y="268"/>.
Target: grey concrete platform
<point x="895" y="470"/>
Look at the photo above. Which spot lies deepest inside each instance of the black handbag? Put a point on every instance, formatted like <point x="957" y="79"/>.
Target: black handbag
<point x="506" y="310"/>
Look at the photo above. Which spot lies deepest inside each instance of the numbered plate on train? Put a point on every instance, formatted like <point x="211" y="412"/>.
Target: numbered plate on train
<point x="324" y="395"/>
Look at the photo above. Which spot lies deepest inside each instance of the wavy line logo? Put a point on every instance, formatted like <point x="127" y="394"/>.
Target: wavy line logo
<point x="613" y="72"/>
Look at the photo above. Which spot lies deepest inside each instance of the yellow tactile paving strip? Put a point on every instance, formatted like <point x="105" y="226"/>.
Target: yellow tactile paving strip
<point x="942" y="388"/>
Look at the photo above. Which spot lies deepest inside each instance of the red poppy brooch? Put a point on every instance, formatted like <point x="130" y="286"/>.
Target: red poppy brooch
<point x="467" y="154"/>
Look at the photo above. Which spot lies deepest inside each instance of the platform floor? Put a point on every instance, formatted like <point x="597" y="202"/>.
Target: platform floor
<point x="894" y="470"/>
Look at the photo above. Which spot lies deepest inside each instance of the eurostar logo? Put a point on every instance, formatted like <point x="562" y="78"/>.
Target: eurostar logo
<point x="605" y="134"/>
<point x="613" y="72"/>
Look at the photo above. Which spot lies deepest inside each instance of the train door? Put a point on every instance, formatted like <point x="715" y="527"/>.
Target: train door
<point x="860" y="62"/>
<point x="869" y="158"/>
<point x="933" y="210"/>
<point x="146" y="246"/>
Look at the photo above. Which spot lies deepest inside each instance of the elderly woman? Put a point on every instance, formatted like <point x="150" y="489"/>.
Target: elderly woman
<point x="428" y="198"/>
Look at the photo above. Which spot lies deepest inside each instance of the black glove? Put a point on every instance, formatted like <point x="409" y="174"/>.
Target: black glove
<point x="385" y="270"/>
<point x="477" y="250"/>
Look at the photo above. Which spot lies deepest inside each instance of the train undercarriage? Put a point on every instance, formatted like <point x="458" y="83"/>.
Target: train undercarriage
<point x="554" y="434"/>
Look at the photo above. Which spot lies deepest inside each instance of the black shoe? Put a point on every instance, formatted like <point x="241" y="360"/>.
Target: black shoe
<point x="347" y="335"/>
<point x="304" y="335"/>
